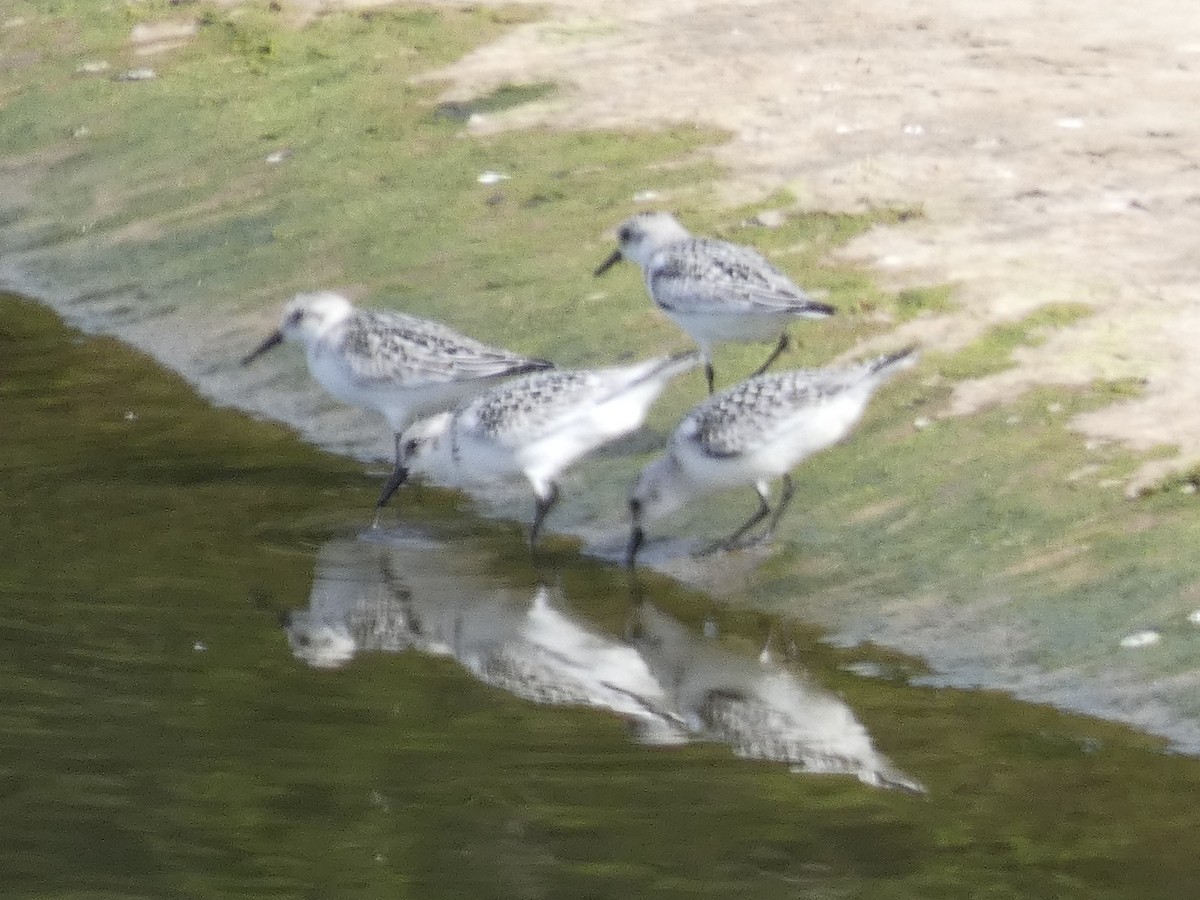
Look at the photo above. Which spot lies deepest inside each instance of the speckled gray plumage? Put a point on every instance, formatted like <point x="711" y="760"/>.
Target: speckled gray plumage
<point x="698" y="274"/>
<point x="384" y="346"/>
<point x="527" y="407"/>
<point x="739" y="418"/>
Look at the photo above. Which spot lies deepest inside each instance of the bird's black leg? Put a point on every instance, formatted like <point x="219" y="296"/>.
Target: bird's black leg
<point x="398" y="477"/>
<point x="784" y="499"/>
<point x="731" y="542"/>
<point x="710" y="376"/>
<point x="544" y="505"/>
<point x="784" y="343"/>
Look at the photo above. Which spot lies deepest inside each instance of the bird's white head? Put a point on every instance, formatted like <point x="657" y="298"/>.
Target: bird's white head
<point x="309" y="317"/>
<point x="659" y="490"/>
<point x="306" y="319"/>
<point x="425" y="450"/>
<point x="640" y="237"/>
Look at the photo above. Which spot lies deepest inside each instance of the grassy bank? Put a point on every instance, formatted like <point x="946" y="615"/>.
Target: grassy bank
<point x="180" y="196"/>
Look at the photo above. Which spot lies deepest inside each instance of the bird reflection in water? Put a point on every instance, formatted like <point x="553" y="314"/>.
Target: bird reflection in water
<point x="672" y="685"/>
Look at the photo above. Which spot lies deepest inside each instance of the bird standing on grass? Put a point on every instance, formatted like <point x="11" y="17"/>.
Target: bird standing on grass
<point x="753" y="432"/>
<point x="716" y="291"/>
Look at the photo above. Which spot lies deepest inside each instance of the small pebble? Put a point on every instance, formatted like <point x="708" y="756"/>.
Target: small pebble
<point x="769" y="218"/>
<point x="1054" y="408"/>
<point x="1188" y="488"/>
<point x="137" y="75"/>
<point x="81" y="132"/>
<point x="94" y="67"/>
<point x="646" y="196"/>
<point x="1194" y="617"/>
<point x="199" y="646"/>
<point x="1140" y="639"/>
<point x="278" y="156"/>
<point x="491" y="177"/>
<point x="922" y="422"/>
<point x="130" y="416"/>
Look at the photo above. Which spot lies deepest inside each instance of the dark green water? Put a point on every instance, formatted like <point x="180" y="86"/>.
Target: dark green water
<point x="162" y="734"/>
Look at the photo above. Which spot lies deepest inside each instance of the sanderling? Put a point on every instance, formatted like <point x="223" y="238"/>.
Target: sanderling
<point x="761" y="709"/>
<point x="714" y="290"/>
<point x="398" y="365"/>
<point x="537" y="425"/>
<point x="755" y="431"/>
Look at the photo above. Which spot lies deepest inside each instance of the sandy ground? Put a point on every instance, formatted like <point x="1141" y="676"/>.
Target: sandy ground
<point x="1050" y="145"/>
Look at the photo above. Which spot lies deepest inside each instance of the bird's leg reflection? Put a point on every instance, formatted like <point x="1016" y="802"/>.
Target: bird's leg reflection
<point x="671" y="683"/>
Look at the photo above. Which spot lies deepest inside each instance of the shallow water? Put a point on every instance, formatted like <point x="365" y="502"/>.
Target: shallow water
<point x="216" y="684"/>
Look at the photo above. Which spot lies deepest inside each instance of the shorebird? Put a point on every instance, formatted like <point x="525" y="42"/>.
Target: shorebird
<point x="537" y="425"/>
<point x="753" y="432"/>
<point x="401" y="366"/>
<point x="715" y="291"/>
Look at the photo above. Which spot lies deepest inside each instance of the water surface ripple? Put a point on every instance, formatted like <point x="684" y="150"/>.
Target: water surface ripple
<point x="442" y="716"/>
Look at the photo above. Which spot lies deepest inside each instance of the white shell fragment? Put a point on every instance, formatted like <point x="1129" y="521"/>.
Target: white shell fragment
<point x="1140" y="639"/>
<point x="143" y="74"/>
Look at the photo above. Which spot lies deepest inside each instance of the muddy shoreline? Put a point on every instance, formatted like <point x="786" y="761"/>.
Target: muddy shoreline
<point x="167" y="253"/>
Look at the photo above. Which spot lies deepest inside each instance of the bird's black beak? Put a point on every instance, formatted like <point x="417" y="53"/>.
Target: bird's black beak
<point x="636" y="536"/>
<point x="273" y="341"/>
<point x="608" y="263"/>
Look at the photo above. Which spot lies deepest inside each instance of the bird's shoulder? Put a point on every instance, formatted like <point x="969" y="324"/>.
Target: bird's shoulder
<point x="388" y="345"/>
<point x="735" y="420"/>
<point x="702" y="268"/>
<point x="525" y="407"/>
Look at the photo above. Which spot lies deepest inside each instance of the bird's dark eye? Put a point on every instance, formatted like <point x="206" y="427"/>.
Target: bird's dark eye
<point x="296" y="317"/>
<point x="625" y="235"/>
<point x="410" y="446"/>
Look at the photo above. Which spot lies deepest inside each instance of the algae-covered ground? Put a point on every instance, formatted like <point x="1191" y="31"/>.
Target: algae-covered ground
<point x="174" y="192"/>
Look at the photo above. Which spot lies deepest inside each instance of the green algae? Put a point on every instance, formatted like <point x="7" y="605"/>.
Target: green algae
<point x="158" y="738"/>
<point x="992" y="352"/>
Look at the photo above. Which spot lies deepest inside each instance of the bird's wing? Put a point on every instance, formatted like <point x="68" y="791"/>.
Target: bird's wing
<point x="529" y="408"/>
<point x="702" y="275"/>
<point x="736" y="420"/>
<point x="382" y="346"/>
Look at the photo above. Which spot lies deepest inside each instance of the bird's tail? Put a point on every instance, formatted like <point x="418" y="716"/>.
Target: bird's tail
<point x="814" y="309"/>
<point x="525" y="366"/>
<point x="671" y="366"/>
<point x="884" y="367"/>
